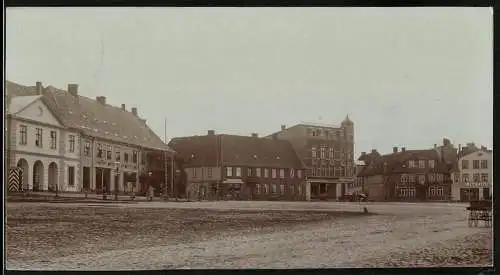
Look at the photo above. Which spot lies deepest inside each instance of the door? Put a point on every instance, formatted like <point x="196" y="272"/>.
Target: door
<point x="486" y="194"/>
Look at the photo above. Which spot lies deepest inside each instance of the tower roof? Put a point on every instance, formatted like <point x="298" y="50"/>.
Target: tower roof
<point x="347" y="120"/>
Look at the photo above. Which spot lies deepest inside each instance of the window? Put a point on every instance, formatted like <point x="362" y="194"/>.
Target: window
<point x="282" y="189"/>
<point x="439" y="177"/>
<point x="404" y="178"/>
<point x="484" y="164"/>
<point x="456" y="178"/>
<point x="421" y="179"/>
<point x="291" y="189"/>
<point x="331" y="153"/>
<point x="86" y="149"/>
<point x="439" y="191"/>
<point x="238" y="171"/>
<point x="273" y="186"/>
<point x="229" y="171"/>
<point x="475" y="164"/>
<point x="432" y="163"/>
<point x="257" y="188"/>
<point x="266" y="189"/>
<point x="249" y="172"/>
<point x="134" y="156"/>
<point x="266" y="173"/>
<point x="109" y="152"/>
<point x="282" y="173"/>
<point x="411" y="164"/>
<point x="23" y="131"/>
<point x="313" y="151"/>
<point x="322" y="156"/>
<point x="53" y="140"/>
<point x="292" y="173"/>
<point x="72" y="140"/>
<point x="465" y="178"/>
<point x="299" y="174"/>
<point x="209" y="172"/>
<point x="318" y="132"/>
<point x="257" y="172"/>
<point x="39" y="137"/>
<point x="465" y="164"/>
<point x="117" y="154"/>
<point x="411" y="178"/>
<point x="71" y="176"/>
<point x="273" y="173"/>
<point x="195" y="170"/>
<point x="484" y="177"/>
<point x="475" y="177"/>
<point x="431" y="177"/>
<point x="99" y="151"/>
<point x="125" y="157"/>
<point x="421" y="164"/>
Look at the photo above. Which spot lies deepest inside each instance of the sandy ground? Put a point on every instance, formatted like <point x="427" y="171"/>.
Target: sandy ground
<point x="161" y="235"/>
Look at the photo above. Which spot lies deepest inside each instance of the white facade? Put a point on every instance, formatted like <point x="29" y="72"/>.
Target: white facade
<point x="474" y="180"/>
<point x="40" y="145"/>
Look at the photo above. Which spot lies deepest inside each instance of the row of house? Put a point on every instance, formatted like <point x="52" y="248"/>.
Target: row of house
<point x="60" y="140"/>
<point x="304" y="162"/>
<point x="442" y="173"/>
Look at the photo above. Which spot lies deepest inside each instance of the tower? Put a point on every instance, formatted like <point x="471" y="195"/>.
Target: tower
<point x="348" y="127"/>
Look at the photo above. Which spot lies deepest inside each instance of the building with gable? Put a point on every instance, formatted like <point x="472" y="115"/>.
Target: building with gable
<point x="220" y="166"/>
<point x="114" y="146"/>
<point x="409" y="175"/>
<point x="473" y="174"/>
<point x="327" y="152"/>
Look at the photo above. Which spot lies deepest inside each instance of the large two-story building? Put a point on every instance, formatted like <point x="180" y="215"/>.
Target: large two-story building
<point x="327" y="152"/>
<point x="240" y="167"/>
<point x="409" y="175"/>
<point x="102" y="147"/>
<point x="473" y="174"/>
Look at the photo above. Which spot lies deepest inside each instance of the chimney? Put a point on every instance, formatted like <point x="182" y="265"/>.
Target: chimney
<point x="403" y="149"/>
<point x="39" y="88"/>
<point x="374" y="151"/>
<point x="459" y="148"/>
<point x="435" y="146"/>
<point x="211" y="132"/>
<point x="255" y="135"/>
<point x="283" y="127"/>
<point x="101" y="100"/>
<point x="123" y="107"/>
<point x="394" y="149"/>
<point x="73" y="89"/>
<point x="363" y="154"/>
<point x="134" y="111"/>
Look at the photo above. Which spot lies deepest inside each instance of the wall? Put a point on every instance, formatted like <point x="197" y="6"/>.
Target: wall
<point x="458" y="184"/>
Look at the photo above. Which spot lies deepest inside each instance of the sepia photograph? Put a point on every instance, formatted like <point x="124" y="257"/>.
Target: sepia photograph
<point x="159" y="138"/>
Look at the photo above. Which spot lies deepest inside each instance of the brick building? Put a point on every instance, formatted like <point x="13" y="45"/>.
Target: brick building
<point x="110" y="143"/>
<point x="409" y="175"/>
<point x="327" y="152"/>
<point x="240" y="167"/>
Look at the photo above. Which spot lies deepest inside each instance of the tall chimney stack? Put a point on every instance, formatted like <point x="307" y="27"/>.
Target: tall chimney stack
<point x="283" y="127"/>
<point x="255" y="135"/>
<point x="134" y="111"/>
<point x="394" y="149"/>
<point x="73" y="89"/>
<point x="211" y="132"/>
<point x="123" y="107"/>
<point x="39" y="88"/>
<point x="403" y="149"/>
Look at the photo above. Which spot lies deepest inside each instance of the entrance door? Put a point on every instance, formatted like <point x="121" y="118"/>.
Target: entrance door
<point x="469" y="194"/>
<point x="486" y="193"/>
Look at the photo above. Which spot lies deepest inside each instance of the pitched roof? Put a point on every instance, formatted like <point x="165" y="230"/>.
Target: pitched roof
<point x="237" y="151"/>
<point x="93" y="118"/>
<point x="391" y="163"/>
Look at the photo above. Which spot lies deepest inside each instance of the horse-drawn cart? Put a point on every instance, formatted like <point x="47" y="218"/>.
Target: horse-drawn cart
<point x="480" y="211"/>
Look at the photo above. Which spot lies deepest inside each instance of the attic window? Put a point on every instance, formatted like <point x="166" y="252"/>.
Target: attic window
<point x="136" y="137"/>
<point x="106" y="132"/>
<point x="113" y="123"/>
<point x="278" y="157"/>
<point x="104" y="121"/>
<point x="116" y="134"/>
<point x="70" y="112"/>
<point x="84" y="116"/>
<point x="95" y="130"/>
<point x="255" y="156"/>
<point x="125" y="137"/>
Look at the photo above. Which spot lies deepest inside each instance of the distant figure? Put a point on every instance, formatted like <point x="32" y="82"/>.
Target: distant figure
<point x="151" y="193"/>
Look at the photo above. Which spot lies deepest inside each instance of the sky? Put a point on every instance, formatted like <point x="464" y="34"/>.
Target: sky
<point x="407" y="77"/>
